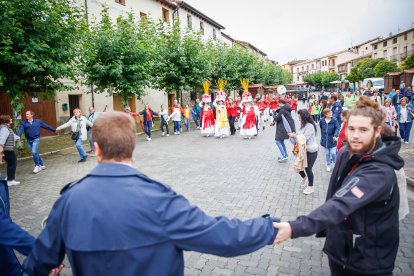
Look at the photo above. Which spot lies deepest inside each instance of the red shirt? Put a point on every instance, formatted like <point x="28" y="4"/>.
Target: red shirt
<point x="232" y="111"/>
<point x="273" y="104"/>
<point x="342" y="136"/>
<point x="293" y="103"/>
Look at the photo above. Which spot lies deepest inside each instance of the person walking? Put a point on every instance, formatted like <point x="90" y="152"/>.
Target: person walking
<point x="222" y="126"/>
<point x="405" y="120"/>
<point x="187" y="117"/>
<point x="284" y="125"/>
<point x="232" y="115"/>
<point x="176" y="117"/>
<point x="148" y="115"/>
<point x="78" y="125"/>
<point x="316" y="110"/>
<point x="31" y="128"/>
<point x="342" y="133"/>
<point x="307" y="129"/>
<point x="329" y="135"/>
<point x="336" y="107"/>
<point x="197" y="109"/>
<point x="92" y="116"/>
<point x="144" y="226"/>
<point x="7" y="141"/>
<point x="360" y="215"/>
<point x="390" y="114"/>
<point x="164" y="120"/>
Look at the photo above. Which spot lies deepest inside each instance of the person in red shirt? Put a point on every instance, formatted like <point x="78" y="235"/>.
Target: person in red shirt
<point x="342" y="132"/>
<point x="294" y="104"/>
<point x="148" y="115"/>
<point x="232" y="115"/>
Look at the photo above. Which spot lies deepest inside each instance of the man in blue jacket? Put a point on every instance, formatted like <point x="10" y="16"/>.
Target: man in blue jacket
<point x="31" y="128"/>
<point x="360" y="215"/>
<point x="336" y="108"/>
<point x="12" y="236"/>
<point x="117" y="221"/>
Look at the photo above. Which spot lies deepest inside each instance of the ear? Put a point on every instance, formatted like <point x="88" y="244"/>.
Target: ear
<point x="98" y="152"/>
<point x="378" y="132"/>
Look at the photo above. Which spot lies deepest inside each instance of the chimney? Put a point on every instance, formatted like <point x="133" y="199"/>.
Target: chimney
<point x="390" y="34"/>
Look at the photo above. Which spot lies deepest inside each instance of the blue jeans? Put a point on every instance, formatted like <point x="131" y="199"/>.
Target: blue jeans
<point x="177" y="125"/>
<point x="187" y="124"/>
<point x="282" y="148"/>
<point x="34" y="148"/>
<point x="330" y="156"/>
<point x="405" y="129"/>
<point x="196" y="118"/>
<point x="80" y="149"/>
<point x="147" y="127"/>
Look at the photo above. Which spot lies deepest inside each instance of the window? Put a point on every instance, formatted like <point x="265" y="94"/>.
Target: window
<point x="214" y="34"/>
<point x="313" y="66"/>
<point x="394" y="41"/>
<point x="302" y="68"/>
<point x="189" y="22"/>
<point x="366" y="48"/>
<point x="166" y="15"/>
<point x="333" y="62"/>
<point x="122" y="2"/>
<point x="201" y="27"/>
<point x="385" y="54"/>
<point x="394" y="50"/>
<point x="384" y="44"/>
<point x="375" y="55"/>
<point x="405" y="36"/>
<point x="144" y="17"/>
<point x="297" y="69"/>
<point x="307" y="67"/>
<point x="375" y="46"/>
<point x="405" y="49"/>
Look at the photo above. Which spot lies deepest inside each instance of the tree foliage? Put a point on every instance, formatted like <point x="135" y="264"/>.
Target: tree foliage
<point x="38" y="46"/>
<point x="408" y="63"/>
<point x="385" y="66"/>
<point x="320" y="79"/>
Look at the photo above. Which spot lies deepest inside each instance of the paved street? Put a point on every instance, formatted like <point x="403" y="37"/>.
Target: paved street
<point x="231" y="177"/>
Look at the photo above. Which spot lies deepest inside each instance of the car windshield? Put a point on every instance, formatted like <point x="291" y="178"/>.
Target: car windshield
<point x="378" y="83"/>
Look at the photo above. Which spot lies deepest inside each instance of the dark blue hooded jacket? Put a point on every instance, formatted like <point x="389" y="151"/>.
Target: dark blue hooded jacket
<point x="12" y="237"/>
<point x="328" y="132"/>
<point x="117" y="221"/>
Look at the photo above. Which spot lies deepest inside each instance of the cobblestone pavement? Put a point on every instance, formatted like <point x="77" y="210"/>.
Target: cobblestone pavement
<point x="232" y="177"/>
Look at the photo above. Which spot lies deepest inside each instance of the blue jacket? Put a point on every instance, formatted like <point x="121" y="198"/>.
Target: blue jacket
<point x="328" y="132"/>
<point x="32" y="130"/>
<point x="337" y="111"/>
<point x="409" y="106"/>
<point x="141" y="226"/>
<point x="11" y="237"/>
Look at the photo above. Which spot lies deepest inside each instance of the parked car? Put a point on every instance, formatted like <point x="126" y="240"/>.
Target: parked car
<point x="374" y="83"/>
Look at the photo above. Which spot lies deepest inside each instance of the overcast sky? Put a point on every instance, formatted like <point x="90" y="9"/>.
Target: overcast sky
<point x="300" y="29"/>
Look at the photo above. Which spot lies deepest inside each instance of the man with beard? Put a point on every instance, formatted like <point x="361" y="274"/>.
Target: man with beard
<point x="360" y="216"/>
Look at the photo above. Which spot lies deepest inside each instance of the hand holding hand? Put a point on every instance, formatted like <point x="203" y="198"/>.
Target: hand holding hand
<point x="284" y="233"/>
<point x="292" y="135"/>
<point x="55" y="271"/>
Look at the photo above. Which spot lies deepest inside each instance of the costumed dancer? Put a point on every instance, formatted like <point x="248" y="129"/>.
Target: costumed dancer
<point x="222" y="127"/>
<point x="248" y="122"/>
<point x="273" y="107"/>
<point x="207" y="115"/>
<point x="267" y="102"/>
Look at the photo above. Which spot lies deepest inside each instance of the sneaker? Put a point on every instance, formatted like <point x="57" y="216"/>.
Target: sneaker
<point x="303" y="183"/>
<point x="168" y="135"/>
<point x="12" y="183"/>
<point x="148" y="139"/>
<point x="328" y="168"/>
<point x="37" y="169"/>
<point x="284" y="159"/>
<point x="308" y="190"/>
<point x="406" y="142"/>
<point x="83" y="159"/>
<point x="163" y="133"/>
<point x="43" y="167"/>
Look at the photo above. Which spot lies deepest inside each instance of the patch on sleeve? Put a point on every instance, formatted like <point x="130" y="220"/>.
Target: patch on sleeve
<point x="357" y="192"/>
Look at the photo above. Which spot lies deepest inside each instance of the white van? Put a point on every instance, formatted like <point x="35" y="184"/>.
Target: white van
<point x="375" y="83"/>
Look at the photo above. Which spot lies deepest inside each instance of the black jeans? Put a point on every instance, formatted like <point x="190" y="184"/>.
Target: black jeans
<point x="231" y="122"/>
<point x="11" y="160"/>
<point x="164" y="123"/>
<point x="338" y="270"/>
<point x="311" y="156"/>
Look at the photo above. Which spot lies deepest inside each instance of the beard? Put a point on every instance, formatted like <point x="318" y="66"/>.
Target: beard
<point x="366" y="148"/>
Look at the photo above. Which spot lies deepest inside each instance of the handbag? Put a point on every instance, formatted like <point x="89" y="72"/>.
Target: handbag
<point x="411" y="113"/>
<point x="75" y="134"/>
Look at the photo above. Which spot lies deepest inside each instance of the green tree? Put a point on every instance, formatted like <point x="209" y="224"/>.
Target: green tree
<point x="38" y="46"/>
<point x="117" y="57"/>
<point x="328" y="77"/>
<point x="181" y="62"/>
<point x="385" y="66"/>
<point x="354" y="75"/>
<point x="408" y="63"/>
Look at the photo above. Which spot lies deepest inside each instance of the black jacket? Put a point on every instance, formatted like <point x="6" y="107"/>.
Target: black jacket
<point x="360" y="215"/>
<point x="144" y="113"/>
<point x="281" y="133"/>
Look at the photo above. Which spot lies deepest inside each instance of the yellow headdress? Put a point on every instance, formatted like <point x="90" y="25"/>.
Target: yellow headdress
<point x="221" y="84"/>
<point x="206" y="86"/>
<point x="245" y="84"/>
<point x="206" y="96"/>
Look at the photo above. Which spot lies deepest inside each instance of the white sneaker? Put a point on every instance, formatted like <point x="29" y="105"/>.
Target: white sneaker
<point x="163" y="134"/>
<point x="43" y="167"/>
<point x="308" y="190"/>
<point x="328" y="168"/>
<point x="168" y="135"/>
<point x="405" y="142"/>
<point x="37" y="169"/>
<point x="303" y="183"/>
<point x="12" y="183"/>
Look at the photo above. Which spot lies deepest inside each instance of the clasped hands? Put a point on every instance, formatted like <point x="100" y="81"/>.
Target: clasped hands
<point x="284" y="232"/>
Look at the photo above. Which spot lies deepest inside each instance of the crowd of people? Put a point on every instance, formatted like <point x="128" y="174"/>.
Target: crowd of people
<point x="360" y="216"/>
